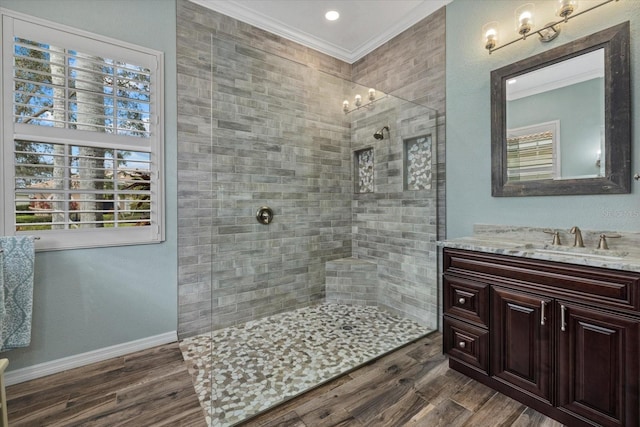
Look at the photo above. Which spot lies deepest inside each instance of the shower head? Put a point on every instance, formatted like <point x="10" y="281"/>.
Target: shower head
<point x="380" y="134"/>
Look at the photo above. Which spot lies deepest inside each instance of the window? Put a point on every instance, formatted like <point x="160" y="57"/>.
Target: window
<point x="533" y="152"/>
<point x="82" y="137"/>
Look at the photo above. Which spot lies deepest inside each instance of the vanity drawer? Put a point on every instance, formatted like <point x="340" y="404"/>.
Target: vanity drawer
<point x="466" y="343"/>
<point x="466" y="299"/>
<point x="603" y="287"/>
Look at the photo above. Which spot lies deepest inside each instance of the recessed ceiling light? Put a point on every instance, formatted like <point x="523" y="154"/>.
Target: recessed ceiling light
<point x="332" y="15"/>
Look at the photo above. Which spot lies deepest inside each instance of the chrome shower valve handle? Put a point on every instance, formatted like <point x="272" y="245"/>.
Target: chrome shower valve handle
<point x="264" y="215"/>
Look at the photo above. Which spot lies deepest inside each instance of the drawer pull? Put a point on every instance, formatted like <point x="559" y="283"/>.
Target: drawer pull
<point x="542" y="317"/>
<point x="563" y="325"/>
<point x="462" y="301"/>
<point x="462" y="344"/>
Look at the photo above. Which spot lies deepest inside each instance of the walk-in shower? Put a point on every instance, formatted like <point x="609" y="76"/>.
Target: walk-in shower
<point x="345" y="270"/>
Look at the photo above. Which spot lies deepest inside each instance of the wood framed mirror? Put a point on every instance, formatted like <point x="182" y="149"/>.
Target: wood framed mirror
<point x="561" y="120"/>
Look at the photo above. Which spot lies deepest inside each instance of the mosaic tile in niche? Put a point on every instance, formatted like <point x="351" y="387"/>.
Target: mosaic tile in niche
<point x="418" y="163"/>
<point x="364" y="170"/>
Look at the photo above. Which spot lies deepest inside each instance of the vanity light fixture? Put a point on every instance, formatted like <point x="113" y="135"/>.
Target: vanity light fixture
<point x="565" y="9"/>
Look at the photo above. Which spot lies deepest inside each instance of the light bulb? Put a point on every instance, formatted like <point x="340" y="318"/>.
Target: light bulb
<point x="525" y="22"/>
<point x="524" y="19"/>
<point x="372" y="94"/>
<point x="490" y="34"/>
<point x="566" y="8"/>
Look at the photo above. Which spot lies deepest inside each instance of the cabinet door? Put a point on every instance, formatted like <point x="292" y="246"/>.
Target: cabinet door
<point x="598" y="365"/>
<point x="521" y="325"/>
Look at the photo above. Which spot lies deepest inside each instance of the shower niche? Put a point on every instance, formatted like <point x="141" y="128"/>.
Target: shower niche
<point x="417" y="163"/>
<point x="364" y="170"/>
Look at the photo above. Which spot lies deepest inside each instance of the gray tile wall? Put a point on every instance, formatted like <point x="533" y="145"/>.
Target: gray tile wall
<point x="352" y="281"/>
<point x="393" y="228"/>
<point x="256" y="129"/>
<point x="397" y="229"/>
<point x="412" y="66"/>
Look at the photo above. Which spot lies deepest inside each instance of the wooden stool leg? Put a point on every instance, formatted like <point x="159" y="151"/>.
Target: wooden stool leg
<point x="4" y="421"/>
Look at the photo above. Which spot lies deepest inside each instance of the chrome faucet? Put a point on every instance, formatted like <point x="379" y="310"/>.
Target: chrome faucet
<point x="578" y="240"/>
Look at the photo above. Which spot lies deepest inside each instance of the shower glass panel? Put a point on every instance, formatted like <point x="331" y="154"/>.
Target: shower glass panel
<point x="337" y="277"/>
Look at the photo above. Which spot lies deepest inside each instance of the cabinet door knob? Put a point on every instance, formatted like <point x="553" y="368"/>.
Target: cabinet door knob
<point x="462" y="300"/>
<point x="462" y="344"/>
<point x="542" y="316"/>
<point x="563" y="323"/>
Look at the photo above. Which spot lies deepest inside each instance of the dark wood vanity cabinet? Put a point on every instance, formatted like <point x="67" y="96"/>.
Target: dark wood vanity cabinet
<point x="561" y="338"/>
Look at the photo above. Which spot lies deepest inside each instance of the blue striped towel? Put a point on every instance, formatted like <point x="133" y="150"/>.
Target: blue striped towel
<point x="2" y="310"/>
<point x="16" y="280"/>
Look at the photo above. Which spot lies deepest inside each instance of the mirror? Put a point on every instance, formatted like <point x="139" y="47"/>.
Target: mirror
<point x="561" y="120"/>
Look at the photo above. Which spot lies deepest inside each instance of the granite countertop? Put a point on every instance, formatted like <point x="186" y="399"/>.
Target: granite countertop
<point x="618" y="258"/>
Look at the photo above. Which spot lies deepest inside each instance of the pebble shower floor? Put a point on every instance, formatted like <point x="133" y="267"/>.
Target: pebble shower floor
<point x="242" y="370"/>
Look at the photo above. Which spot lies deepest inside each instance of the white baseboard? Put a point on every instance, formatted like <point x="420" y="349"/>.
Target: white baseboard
<point x="75" y="361"/>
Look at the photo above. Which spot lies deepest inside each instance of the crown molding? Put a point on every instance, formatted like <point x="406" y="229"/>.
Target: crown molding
<point x="417" y="14"/>
<point x="242" y="13"/>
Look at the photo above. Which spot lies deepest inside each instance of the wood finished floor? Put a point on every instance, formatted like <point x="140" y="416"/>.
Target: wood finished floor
<point x="147" y="388"/>
<point x="412" y="386"/>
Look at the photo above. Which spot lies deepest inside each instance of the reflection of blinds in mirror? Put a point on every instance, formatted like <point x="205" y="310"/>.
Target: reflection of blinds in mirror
<point x="530" y="157"/>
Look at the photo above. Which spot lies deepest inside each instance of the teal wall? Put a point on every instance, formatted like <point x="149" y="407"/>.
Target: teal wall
<point x="580" y="111"/>
<point x="468" y="128"/>
<point x="90" y="299"/>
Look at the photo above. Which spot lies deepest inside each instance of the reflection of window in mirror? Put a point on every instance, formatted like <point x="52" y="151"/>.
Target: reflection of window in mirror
<point x="600" y="154"/>
<point x="572" y="92"/>
<point x="533" y="152"/>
